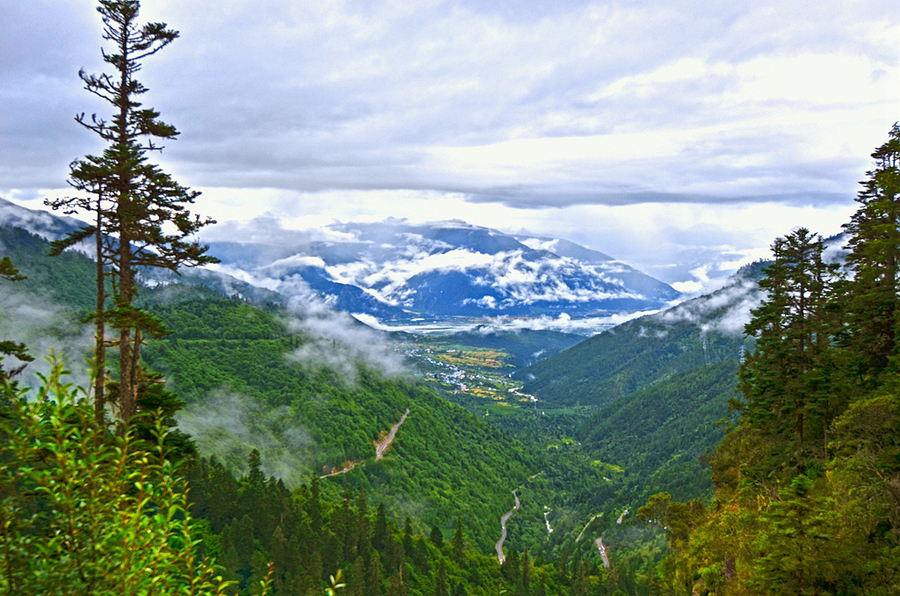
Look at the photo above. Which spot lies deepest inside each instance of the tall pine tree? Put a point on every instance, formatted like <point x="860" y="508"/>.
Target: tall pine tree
<point x="140" y="212"/>
<point x="873" y="298"/>
<point x="793" y="329"/>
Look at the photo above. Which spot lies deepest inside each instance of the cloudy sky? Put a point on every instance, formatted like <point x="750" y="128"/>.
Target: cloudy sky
<point x="681" y="138"/>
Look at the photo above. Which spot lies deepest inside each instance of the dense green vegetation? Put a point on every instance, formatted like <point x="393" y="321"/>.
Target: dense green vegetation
<point x="252" y="520"/>
<point x="88" y="512"/>
<point x="66" y="280"/>
<point x="443" y="463"/>
<point x="807" y="498"/>
<point x="633" y="355"/>
<point x="658" y="435"/>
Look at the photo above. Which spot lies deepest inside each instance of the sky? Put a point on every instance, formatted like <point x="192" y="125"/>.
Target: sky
<point x="681" y="138"/>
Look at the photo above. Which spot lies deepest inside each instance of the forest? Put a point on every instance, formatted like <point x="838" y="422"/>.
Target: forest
<point x="215" y="445"/>
<point x="807" y="478"/>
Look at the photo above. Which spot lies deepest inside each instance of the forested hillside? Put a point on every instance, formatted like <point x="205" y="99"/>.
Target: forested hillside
<point x="807" y="482"/>
<point x="699" y="332"/>
<point x="249" y="387"/>
<point x="444" y="462"/>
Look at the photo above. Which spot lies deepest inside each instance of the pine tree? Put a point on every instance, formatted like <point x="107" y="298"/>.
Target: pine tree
<point x="458" y="542"/>
<point x="437" y="537"/>
<point x="440" y="581"/>
<point x="380" y="530"/>
<point x="356" y="580"/>
<point x="873" y="297"/>
<point x="793" y="328"/>
<point x="140" y="212"/>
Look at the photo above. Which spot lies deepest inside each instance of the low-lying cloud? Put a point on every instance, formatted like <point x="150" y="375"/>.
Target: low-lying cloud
<point x="43" y="326"/>
<point x="229" y="426"/>
<point x="337" y="340"/>
<point x="726" y="310"/>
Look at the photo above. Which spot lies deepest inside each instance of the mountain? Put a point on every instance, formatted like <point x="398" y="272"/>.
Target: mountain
<point x="395" y="270"/>
<point x="312" y="392"/>
<point x="698" y="332"/>
<point x="38" y="222"/>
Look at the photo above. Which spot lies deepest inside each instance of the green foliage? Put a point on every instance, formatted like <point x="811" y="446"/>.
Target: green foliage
<point x="807" y="498"/>
<point x="84" y="511"/>
<point x="636" y="354"/>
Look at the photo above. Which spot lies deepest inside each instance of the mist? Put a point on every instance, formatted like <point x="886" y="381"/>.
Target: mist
<point x="338" y="341"/>
<point x="229" y="426"/>
<point x="44" y="327"/>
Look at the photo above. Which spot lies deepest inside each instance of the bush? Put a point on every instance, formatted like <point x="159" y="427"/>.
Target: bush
<point x="84" y="510"/>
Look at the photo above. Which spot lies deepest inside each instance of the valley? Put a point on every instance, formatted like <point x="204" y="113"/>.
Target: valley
<point x="250" y="383"/>
<point x="617" y="447"/>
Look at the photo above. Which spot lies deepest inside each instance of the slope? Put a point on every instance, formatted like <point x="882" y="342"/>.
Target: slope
<point x="705" y="330"/>
<point x="260" y="378"/>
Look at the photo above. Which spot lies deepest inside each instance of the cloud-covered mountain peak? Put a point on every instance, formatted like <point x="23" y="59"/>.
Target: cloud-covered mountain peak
<point x="41" y="223"/>
<point x="397" y="270"/>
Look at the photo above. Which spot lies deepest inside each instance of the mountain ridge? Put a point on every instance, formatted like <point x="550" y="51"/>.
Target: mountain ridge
<point x="398" y="270"/>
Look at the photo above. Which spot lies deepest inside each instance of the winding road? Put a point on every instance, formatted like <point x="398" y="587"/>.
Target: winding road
<point x="586" y="526"/>
<point x="603" y="555"/>
<point x="503" y="519"/>
<point x="381" y="446"/>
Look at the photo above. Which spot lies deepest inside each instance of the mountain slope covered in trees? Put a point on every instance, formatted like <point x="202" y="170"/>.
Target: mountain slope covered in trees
<point x="699" y="332"/>
<point x="807" y="481"/>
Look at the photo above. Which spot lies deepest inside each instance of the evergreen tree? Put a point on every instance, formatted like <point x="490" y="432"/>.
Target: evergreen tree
<point x="437" y="537"/>
<point x="374" y="576"/>
<point x="873" y="296"/>
<point x="380" y="530"/>
<point x="407" y="541"/>
<point x="140" y="212"/>
<point x="458" y="542"/>
<point x="440" y="581"/>
<point x="793" y="329"/>
<point x="356" y="579"/>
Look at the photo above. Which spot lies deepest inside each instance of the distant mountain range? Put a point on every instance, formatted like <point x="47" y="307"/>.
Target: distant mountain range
<point x="397" y="271"/>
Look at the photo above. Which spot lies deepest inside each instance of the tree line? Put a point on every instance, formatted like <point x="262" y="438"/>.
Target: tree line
<point x="807" y="481"/>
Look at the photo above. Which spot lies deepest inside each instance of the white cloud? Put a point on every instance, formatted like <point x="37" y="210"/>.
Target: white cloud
<point x="542" y="116"/>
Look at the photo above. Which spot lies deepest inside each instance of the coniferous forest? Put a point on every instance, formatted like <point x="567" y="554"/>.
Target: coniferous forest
<point x="808" y="478"/>
<point x="200" y="454"/>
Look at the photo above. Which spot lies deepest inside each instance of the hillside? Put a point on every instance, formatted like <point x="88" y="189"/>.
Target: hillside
<point x="251" y="382"/>
<point x="269" y="379"/>
<point x="698" y="332"/>
<point x="657" y="435"/>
